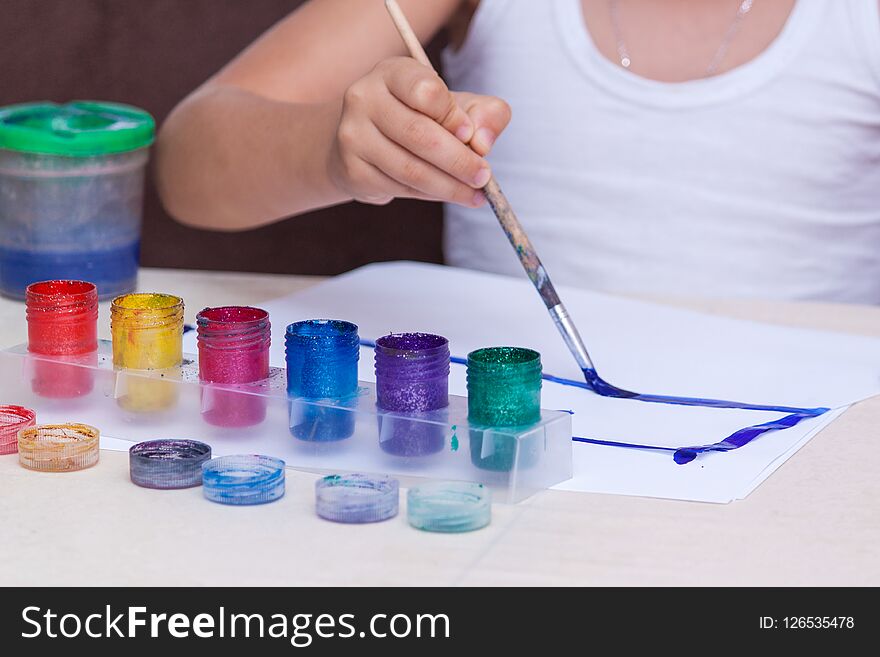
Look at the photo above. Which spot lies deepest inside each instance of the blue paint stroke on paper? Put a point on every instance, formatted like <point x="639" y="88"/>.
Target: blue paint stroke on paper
<point x="682" y="455"/>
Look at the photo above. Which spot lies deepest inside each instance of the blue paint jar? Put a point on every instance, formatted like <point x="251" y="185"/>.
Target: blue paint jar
<point x="71" y="194"/>
<point x="322" y="358"/>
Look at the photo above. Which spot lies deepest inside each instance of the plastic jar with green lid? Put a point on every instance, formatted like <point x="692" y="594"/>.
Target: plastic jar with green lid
<point x="71" y="194"/>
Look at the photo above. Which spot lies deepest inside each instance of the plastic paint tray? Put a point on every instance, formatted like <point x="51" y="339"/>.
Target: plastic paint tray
<point x="439" y="445"/>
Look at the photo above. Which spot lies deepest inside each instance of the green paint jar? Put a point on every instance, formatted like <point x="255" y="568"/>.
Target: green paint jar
<point x="504" y="386"/>
<point x="504" y="392"/>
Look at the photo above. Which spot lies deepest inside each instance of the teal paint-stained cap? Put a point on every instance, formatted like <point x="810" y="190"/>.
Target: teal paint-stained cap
<point x="78" y="129"/>
<point x="449" y="506"/>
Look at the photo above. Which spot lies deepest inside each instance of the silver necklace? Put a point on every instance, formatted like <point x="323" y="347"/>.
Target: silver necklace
<point x="623" y="54"/>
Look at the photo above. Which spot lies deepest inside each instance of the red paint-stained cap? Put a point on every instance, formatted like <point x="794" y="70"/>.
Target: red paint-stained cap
<point x="12" y="420"/>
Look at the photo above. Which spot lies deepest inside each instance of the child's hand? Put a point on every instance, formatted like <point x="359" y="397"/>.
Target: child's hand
<point x="402" y="133"/>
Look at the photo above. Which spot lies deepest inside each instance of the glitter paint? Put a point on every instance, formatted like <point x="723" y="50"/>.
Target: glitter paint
<point x="412" y="377"/>
<point x="12" y="420"/>
<point x="504" y="390"/>
<point x="147" y="332"/>
<point x="504" y="386"/>
<point x="167" y="464"/>
<point x="62" y="320"/>
<point x="412" y="372"/>
<point x="233" y="349"/>
<point x="62" y="317"/>
<point x="322" y="357"/>
<point x="58" y="447"/>
<point x="243" y="479"/>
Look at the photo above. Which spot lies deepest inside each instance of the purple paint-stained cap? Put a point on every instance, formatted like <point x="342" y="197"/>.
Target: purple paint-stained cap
<point x="356" y="498"/>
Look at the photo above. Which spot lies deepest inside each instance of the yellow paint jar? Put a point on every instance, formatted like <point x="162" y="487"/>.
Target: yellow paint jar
<point x="147" y="333"/>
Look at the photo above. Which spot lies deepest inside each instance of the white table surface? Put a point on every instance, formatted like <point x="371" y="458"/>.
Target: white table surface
<point x="815" y="521"/>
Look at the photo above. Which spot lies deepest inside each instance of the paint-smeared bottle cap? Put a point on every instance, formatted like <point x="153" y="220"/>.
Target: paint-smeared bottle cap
<point x="58" y="447"/>
<point x="454" y="506"/>
<point x="168" y="464"/>
<point x="243" y="479"/>
<point x="12" y="420"/>
<point x="356" y="498"/>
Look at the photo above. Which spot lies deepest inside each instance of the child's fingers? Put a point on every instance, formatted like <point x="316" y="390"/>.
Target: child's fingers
<point x="417" y="174"/>
<point x="369" y="184"/>
<point x="402" y="133"/>
<point x="421" y="89"/>
<point x="490" y="116"/>
<point x="384" y="189"/>
<point x="430" y="142"/>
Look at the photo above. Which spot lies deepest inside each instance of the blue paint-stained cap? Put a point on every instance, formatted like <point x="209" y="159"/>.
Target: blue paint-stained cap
<point x="451" y="507"/>
<point x="243" y="479"/>
<point x="356" y="498"/>
<point x="167" y="464"/>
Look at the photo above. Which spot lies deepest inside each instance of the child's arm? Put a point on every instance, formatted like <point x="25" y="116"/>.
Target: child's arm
<point x="305" y="118"/>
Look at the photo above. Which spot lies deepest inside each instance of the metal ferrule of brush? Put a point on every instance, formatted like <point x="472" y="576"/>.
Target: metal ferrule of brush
<point x="571" y="336"/>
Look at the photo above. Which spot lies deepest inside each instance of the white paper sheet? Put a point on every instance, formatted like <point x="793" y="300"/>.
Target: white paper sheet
<point x="639" y="346"/>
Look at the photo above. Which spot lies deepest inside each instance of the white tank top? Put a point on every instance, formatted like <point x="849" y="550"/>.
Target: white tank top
<point x="760" y="182"/>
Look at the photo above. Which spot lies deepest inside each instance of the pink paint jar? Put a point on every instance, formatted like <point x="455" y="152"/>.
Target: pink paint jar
<point x="233" y="349"/>
<point x="62" y="319"/>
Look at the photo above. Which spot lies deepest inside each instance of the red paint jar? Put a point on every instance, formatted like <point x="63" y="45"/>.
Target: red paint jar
<point x="62" y="318"/>
<point x="233" y="349"/>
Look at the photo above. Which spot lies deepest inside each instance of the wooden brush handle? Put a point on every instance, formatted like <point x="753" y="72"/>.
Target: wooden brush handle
<point x="520" y="243"/>
<point x="505" y="214"/>
<point x="509" y="223"/>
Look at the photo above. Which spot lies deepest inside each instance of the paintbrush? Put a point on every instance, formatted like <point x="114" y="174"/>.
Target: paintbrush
<point x="512" y="228"/>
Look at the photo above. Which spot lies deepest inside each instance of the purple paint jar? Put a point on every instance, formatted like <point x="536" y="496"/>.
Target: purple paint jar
<point x="233" y="349"/>
<point x="412" y="378"/>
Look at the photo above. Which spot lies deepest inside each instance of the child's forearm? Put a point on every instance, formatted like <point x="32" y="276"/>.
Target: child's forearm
<point x="228" y="159"/>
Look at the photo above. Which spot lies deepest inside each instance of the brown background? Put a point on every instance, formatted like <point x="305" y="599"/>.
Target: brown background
<point x="151" y="53"/>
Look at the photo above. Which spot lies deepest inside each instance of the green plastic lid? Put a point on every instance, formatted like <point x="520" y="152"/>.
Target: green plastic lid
<point x="78" y="129"/>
